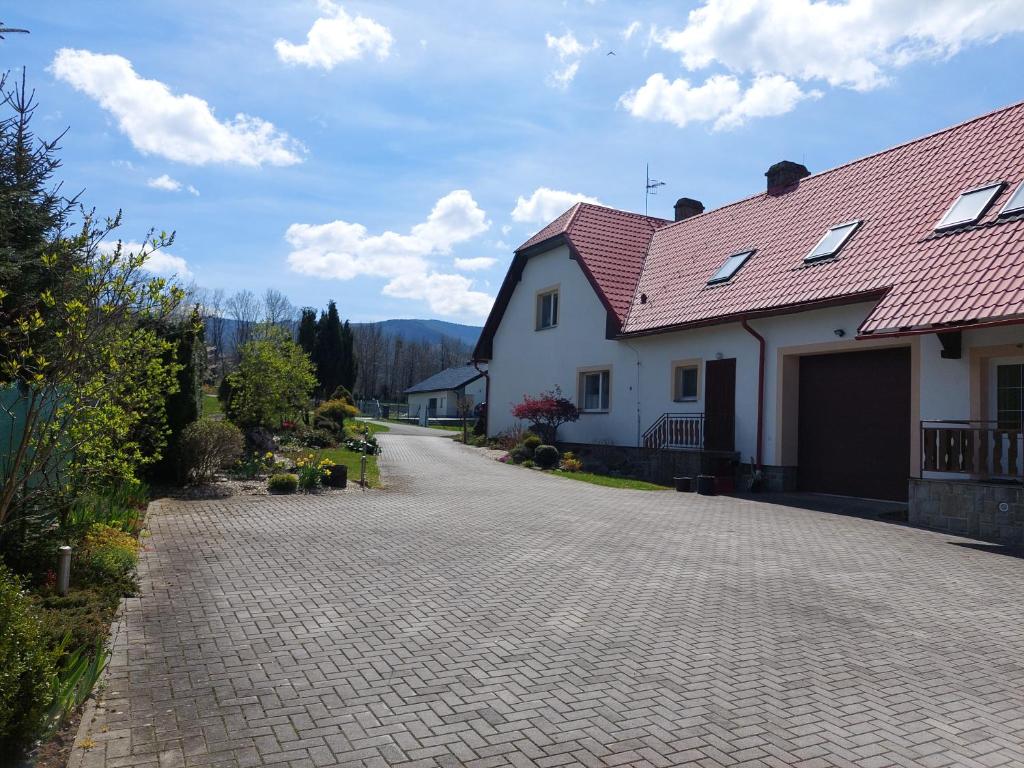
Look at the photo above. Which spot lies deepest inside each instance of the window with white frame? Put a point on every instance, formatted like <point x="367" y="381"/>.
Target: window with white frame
<point x="594" y="390"/>
<point x="685" y="378"/>
<point x="547" y="309"/>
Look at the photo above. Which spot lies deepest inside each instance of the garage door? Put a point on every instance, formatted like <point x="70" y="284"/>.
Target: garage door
<point x="854" y="427"/>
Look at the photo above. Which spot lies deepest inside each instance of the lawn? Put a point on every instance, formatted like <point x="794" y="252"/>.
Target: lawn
<point x="611" y="482"/>
<point x="211" y="406"/>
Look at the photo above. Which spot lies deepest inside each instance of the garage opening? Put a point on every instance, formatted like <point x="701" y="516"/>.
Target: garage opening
<point x="854" y="424"/>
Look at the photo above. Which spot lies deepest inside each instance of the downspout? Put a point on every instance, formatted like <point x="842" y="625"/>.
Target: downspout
<point x="635" y="352"/>
<point x="487" y="391"/>
<point x="760" y="391"/>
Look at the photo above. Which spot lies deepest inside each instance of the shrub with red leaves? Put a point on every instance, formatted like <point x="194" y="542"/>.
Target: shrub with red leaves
<point x="546" y="412"/>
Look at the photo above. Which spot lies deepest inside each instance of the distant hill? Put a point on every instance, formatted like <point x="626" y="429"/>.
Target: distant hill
<point x="430" y="331"/>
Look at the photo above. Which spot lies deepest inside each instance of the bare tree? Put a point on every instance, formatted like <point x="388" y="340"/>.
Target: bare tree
<point x="213" y="319"/>
<point x="244" y="308"/>
<point x="277" y="309"/>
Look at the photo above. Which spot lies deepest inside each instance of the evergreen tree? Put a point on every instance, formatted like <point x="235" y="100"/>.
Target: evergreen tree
<point x="349" y="365"/>
<point x="327" y="352"/>
<point x="307" y="331"/>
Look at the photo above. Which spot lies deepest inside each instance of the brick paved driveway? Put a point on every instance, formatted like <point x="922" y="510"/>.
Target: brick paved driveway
<point x="484" y="615"/>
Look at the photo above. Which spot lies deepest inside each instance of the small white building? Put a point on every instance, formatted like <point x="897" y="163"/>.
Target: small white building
<point x="854" y="332"/>
<point x="438" y="396"/>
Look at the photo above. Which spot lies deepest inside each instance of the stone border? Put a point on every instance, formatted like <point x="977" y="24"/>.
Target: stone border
<point x="80" y="756"/>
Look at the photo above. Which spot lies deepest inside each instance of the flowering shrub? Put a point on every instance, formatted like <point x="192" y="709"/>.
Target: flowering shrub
<point x="546" y="412"/>
<point x="288" y="425"/>
<point x="505" y="459"/>
<point x="312" y="473"/>
<point x="110" y="551"/>
<point x="367" y="444"/>
<point x="570" y="463"/>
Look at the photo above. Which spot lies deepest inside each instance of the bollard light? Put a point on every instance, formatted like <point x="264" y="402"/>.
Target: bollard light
<point x="63" y="570"/>
<point x="362" y="470"/>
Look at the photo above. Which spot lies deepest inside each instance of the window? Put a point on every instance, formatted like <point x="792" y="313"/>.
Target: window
<point x="1009" y="390"/>
<point x="832" y="241"/>
<point x="594" y="386"/>
<point x="547" y="309"/>
<point x="969" y="207"/>
<point x="684" y="382"/>
<point x="1016" y="202"/>
<point x="730" y="267"/>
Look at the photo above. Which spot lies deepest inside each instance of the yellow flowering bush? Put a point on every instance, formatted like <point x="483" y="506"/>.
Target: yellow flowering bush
<point x="110" y="551"/>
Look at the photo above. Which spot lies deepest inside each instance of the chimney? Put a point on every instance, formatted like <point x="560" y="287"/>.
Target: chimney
<point x="784" y="174"/>
<point x="687" y="207"/>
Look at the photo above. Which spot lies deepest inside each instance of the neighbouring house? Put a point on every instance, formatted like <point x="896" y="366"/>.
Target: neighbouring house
<point x="853" y="332"/>
<point x="438" y="396"/>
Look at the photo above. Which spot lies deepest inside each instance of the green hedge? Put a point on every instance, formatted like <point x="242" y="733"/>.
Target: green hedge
<point x="26" y="668"/>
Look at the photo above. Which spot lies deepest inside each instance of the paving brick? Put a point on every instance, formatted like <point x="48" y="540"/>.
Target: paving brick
<point x="473" y="613"/>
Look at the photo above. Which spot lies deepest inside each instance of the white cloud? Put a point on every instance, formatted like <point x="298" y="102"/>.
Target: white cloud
<point x="445" y="294"/>
<point x="546" y="204"/>
<point x="343" y="251"/>
<point x="570" y="51"/>
<point x="632" y="29"/>
<point x="181" y="128"/>
<point x="168" y="184"/>
<point x="475" y="264"/>
<point x="159" y="263"/>
<point x="337" y="37"/>
<point x="853" y="44"/>
<point x="720" y="99"/>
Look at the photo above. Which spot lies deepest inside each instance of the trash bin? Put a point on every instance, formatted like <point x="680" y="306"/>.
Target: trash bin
<point x="683" y="484"/>
<point x="706" y="485"/>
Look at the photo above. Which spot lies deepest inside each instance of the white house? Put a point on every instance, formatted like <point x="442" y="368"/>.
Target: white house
<point x="854" y="332"/>
<point x="438" y="396"/>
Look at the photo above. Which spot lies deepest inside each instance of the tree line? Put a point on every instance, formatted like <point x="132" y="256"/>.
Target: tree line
<point x="362" y="358"/>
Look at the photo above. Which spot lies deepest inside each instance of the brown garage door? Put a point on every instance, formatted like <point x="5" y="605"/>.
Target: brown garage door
<point x="854" y="428"/>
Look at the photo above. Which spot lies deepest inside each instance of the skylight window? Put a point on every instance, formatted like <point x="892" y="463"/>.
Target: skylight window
<point x="730" y="267"/>
<point x="969" y="207"/>
<point x="1016" y="202"/>
<point x="832" y="241"/>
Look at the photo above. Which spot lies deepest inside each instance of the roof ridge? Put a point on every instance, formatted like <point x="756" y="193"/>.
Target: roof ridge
<point x="624" y="212"/>
<point x="863" y="158"/>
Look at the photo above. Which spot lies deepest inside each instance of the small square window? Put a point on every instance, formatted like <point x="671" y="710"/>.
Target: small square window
<point x="730" y="267"/>
<point x="594" y="394"/>
<point x="832" y="241"/>
<point x="1016" y="202"/>
<point x="547" y="310"/>
<point x="970" y="206"/>
<point x="684" y="388"/>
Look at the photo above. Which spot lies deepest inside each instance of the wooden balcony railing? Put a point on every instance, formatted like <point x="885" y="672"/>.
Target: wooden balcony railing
<point x="676" y="430"/>
<point x="981" y="449"/>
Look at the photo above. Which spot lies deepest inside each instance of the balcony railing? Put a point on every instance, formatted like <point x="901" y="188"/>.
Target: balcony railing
<point x="980" y="449"/>
<point x="680" y="431"/>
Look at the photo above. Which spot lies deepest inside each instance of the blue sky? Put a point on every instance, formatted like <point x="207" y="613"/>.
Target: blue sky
<point x="393" y="154"/>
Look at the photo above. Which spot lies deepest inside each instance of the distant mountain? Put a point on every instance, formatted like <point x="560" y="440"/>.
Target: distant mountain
<point x="431" y="331"/>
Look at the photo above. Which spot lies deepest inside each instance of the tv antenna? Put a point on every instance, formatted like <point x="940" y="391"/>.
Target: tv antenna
<point x="651" y="188"/>
<point x="6" y="30"/>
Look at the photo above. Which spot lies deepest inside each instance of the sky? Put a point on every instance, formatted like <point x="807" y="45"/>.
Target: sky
<point x="392" y="155"/>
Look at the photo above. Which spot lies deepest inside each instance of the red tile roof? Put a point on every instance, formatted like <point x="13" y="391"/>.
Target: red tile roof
<point x="610" y="245"/>
<point x="924" y="279"/>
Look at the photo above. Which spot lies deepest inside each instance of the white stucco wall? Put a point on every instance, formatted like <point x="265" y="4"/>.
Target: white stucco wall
<point x="447" y="399"/>
<point x="527" y="361"/>
<point x="477" y="390"/>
